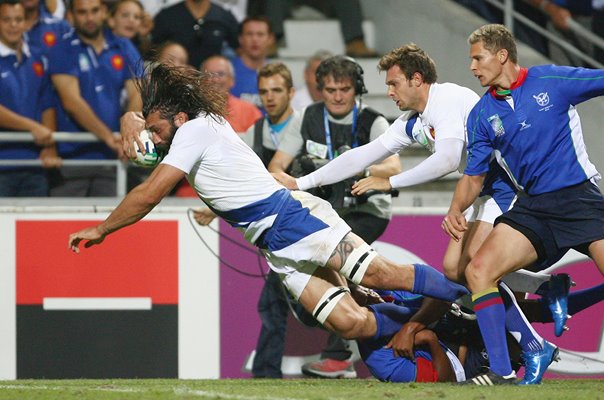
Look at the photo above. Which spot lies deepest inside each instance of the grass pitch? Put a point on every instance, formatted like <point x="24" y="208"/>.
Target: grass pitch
<point x="288" y="389"/>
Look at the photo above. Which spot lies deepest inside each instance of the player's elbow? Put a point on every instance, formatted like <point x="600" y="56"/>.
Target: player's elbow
<point x="451" y="164"/>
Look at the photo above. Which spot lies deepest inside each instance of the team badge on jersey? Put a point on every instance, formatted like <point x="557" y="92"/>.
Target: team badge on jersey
<point x="496" y="124"/>
<point x="84" y="63"/>
<point x="117" y="61"/>
<point x="49" y="39"/>
<point x="38" y="69"/>
<point x="542" y="99"/>
<point x="424" y="135"/>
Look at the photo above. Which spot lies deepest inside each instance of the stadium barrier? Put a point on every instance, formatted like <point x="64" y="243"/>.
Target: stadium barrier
<point x="153" y="301"/>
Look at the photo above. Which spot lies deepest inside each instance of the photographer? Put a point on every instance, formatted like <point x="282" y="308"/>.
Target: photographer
<point x="325" y="130"/>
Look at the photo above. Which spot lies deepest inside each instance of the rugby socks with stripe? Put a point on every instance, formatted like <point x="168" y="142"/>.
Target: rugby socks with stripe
<point x="433" y="283"/>
<point x="389" y="318"/>
<point x="517" y="324"/>
<point x="490" y="313"/>
<point x="578" y="300"/>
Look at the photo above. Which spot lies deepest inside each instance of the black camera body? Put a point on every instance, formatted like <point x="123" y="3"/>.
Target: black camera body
<point x="337" y="194"/>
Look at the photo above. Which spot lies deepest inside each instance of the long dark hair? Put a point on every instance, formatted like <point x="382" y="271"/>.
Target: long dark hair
<point x="170" y="90"/>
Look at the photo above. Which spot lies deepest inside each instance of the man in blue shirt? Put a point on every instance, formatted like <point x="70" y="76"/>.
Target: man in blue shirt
<point x="25" y="105"/>
<point x="529" y="121"/>
<point x="255" y="38"/>
<point x="43" y="29"/>
<point x="91" y="68"/>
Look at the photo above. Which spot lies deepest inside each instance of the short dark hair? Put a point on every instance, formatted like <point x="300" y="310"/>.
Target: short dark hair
<point x="495" y="37"/>
<point x="170" y="90"/>
<point x="339" y="68"/>
<point x="410" y="59"/>
<point x="257" y="18"/>
<point x="277" y="68"/>
<point x="10" y="2"/>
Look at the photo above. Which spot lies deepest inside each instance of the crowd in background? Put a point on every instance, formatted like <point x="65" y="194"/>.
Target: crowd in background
<point x="72" y="67"/>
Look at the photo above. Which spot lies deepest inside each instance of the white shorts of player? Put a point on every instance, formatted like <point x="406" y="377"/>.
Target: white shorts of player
<point x="296" y="263"/>
<point x="485" y="209"/>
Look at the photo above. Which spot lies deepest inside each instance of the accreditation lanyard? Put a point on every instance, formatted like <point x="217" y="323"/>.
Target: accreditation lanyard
<point x="275" y="130"/>
<point x="355" y="112"/>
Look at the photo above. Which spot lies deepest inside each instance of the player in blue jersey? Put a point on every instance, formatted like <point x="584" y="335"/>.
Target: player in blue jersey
<point x="443" y="341"/>
<point x="528" y="118"/>
<point x="302" y="237"/>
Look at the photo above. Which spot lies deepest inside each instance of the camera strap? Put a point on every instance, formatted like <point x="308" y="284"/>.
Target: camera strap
<point x="328" y="141"/>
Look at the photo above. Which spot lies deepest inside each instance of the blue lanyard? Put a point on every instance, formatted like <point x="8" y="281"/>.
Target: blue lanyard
<point x="275" y="130"/>
<point x="355" y="143"/>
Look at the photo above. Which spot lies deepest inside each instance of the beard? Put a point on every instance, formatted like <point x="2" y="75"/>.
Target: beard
<point x="90" y="35"/>
<point x="164" y="147"/>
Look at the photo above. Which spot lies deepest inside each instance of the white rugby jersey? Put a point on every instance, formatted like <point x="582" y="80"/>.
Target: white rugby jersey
<point x="444" y="117"/>
<point x="226" y="174"/>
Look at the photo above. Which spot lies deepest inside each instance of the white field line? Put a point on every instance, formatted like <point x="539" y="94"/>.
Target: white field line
<point x="180" y="391"/>
<point x="221" y="395"/>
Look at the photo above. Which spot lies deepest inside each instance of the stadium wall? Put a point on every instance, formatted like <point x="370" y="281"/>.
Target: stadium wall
<point x="154" y="301"/>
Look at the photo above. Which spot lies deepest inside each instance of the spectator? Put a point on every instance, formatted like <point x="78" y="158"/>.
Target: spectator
<point x="127" y="18"/>
<point x="348" y="13"/>
<point x="89" y="69"/>
<point x="559" y="13"/>
<point x="309" y="94"/>
<point x="255" y="39"/>
<point x="241" y="114"/>
<point x="172" y="53"/>
<point x="203" y="28"/>
<point x="43" y="30"/>
<point x="25" y="105"/>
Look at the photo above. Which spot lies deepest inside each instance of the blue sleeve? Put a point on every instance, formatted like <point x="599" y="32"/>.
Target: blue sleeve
<point x="479" y="142"/>
<point x="576" y="84"/>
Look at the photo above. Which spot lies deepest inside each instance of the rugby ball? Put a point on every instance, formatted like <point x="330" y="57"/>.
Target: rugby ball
<point x="151" y="157"/>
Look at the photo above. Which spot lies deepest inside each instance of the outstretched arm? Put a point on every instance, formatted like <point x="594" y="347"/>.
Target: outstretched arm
<point x="345" y="165"/>
<point x="444" y="160"/>
<point x="138" y="203"/>
<point x="402" y="343"/>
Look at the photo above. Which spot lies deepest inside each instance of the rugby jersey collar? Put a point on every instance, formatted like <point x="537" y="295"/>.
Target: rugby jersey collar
<point x="7" y="51"/>
<point x="521" y="78"/>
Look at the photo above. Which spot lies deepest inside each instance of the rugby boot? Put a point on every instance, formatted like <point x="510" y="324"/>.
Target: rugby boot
<point x="556" y="298"/>
<point x="490" y="379"/>
<point x="536" y="363"/>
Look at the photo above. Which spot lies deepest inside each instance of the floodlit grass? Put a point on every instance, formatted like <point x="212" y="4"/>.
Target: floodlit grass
<point x="289" y="389"/>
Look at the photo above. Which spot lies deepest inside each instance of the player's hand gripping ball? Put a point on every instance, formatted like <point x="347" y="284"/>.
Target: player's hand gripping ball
<point x="151" y="157"/>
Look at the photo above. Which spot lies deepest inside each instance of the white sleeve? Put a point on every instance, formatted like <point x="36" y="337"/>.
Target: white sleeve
<point x="445" y="159"/>
<point x="345" y="165"/>
<point x="186" y="148"/>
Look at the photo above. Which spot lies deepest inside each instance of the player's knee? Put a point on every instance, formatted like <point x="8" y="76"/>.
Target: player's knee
<point x="477" y="270"/>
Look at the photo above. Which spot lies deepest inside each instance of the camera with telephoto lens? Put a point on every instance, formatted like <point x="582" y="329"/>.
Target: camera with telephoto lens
<point x="338" y="194"/>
